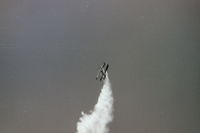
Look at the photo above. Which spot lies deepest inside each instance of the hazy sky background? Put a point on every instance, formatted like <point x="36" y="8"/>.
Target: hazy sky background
<point x="50" y="51"/>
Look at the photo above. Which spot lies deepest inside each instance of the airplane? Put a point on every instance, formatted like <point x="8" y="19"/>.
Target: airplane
<point x="101" y="75"/>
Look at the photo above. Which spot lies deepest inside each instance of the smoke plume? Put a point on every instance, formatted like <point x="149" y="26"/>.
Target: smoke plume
<point x="102" y="114"/>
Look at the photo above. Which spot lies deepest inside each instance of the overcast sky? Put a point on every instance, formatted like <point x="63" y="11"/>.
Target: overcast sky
<point x="50" y="51"/>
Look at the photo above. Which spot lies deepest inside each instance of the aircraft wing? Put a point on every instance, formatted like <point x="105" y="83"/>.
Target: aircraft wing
<point x="106" y="68"/>
<point x="102" y="71"/>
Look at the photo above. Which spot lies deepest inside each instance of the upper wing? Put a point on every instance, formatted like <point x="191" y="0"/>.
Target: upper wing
<point x="106" y="68"/>
<point x="102" y="71"/>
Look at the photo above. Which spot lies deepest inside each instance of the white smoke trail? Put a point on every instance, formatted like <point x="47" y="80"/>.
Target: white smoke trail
<point x="101" y="115"/>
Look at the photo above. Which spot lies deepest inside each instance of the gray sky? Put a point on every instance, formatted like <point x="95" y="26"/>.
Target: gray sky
<point x="50" y="51"/>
